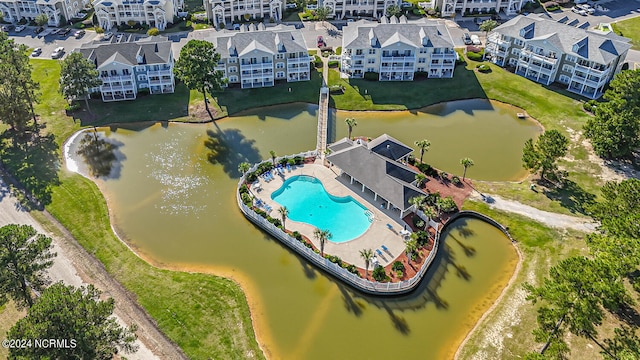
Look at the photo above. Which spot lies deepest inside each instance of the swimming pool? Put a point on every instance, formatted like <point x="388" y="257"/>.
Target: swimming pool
<point x="308" y="202"/>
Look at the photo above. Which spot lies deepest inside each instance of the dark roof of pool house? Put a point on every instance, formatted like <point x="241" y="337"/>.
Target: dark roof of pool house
<point x="375" y="164"/>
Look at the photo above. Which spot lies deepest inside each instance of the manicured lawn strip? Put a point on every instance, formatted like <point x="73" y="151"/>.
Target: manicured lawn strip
<point x="629" y="28"/>
<point x="207" y="316"/>
<point x="389" y="95"/>
<point x="541" y="247"/>
<point x="9" y="315"/>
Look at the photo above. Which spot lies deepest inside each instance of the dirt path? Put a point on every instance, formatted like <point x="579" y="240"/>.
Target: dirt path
<point x="74" y="266"/>
<point x="548" y="218"/>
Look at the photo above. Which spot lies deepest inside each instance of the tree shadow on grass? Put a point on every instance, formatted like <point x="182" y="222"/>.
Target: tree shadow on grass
<point x="229" y="148"/>
<point x="571" y="196"/>
<point x="34" y="164"/>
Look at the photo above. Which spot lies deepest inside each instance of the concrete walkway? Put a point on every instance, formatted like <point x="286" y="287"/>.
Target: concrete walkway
<point x="377" y="234"/>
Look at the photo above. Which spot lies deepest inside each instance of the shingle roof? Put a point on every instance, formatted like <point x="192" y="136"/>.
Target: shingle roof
<point x="368" y="163"/>
<point x="266" y="40"/>
<point x="593" y="45"/>
<point x="152" y="51"/>
<point x="357" y="34"/>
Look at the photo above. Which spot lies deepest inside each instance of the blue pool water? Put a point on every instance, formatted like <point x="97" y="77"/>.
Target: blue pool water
<point x="308" y="202"/>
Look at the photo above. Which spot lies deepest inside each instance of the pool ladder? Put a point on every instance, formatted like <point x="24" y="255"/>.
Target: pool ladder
<point x="369" y="215"/>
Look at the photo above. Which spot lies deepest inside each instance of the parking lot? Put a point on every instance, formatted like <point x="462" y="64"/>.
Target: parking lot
<point x="49" y="42"/>
<point x="617" y="10"/>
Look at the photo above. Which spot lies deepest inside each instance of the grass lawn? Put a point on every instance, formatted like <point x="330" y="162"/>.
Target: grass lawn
<point x="207" y="316"/>
<point x="9" y="315"/>
<point x="629" y="28"/>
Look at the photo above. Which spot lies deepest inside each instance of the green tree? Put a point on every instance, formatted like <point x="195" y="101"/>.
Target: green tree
<point x="379" y="274"/>
<point x="618" y="212"/>
<point x="393" y="10"/>
<point x="545" y="152"/>
<point x="18" y="90"/>
<point x="153" y="31"/>
<point x="284" y="212"/>
<point x="273" y="157"/>
<point x="424" y="147"/>
<point x="322" y="13"/>
<point x="417" y="201"/>
<point x="322" y="236"/>
<point x="488" y="25"/>
<point x="366" y="255"/>
<point x="625" y="345"/>
<point x="429" y="212"/>
<point x="41" y="19"/>
<point x="243" y="167"/>
<point x="77" y="76"/>
<point x="65" y="312"/>
<point x="25" y="255"/>
<point x="615" y="130"/>
<point x="351" y="123"/>
<point x="420" y="179"/>
<point x="196" y="68"/>
<point x="466" y="163"/>
<point x="411" y="248"/>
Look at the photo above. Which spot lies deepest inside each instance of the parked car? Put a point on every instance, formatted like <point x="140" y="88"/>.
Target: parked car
<point x="55" y="31"/>
<point x="236" y="26"/>
<point x="107" y="36"/>
<point x="587" y="8"/>
<point x="8" y="28"/>
<point x="20" y="28"/>
<point x="406" y="4"/>
<point x="577" y="10"/>
<point x="79" y="34"/>
<point x="321" y="42"/>
<point x="291" y="6"/>
<point x="467" y="39"/>
<point x="312" y="7"/>
<point x="57" y="53"/>
<point x="39" y="30"/>
<point x="36" y="52"/>
<point x="475" y="40"/>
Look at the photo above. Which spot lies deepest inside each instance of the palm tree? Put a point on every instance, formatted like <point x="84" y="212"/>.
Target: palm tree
<point x="273" y="157"/>
<point x="367" y="255"/>
<point x="243" y="167"/>
<point x="424" y="147"/>
<point x="412" y="247"/>
<point x="429" y="212"/>
<point x="417" y="201"/>
<point x="351" y="122"/>
<point x="322" y="13"/>
<point x="488" y="25"/>
<point x="284" y="212"/>
<point x="322" y="236"/>
<point x="420" y="179"/>
<point x="466" y="163"/>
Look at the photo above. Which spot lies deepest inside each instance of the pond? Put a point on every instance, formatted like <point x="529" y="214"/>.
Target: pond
<point x="173" y="201"/>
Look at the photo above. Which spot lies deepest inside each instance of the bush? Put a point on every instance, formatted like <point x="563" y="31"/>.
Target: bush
<point x="475" y="56"/>
<point x="483" y="68"/>
<point x="298" y="159"/>
<point x="590" y="106"/>
<point x="291" y="162"/>
<point x="251" y="177"/>
<point x="298" y="236"/>
<point x="260" y="212"/>
<point x="448" y="205"/>
<point x="336" y="89"/>
<point x="333" y="63"/>
<point x="243" y="189"/>
<point x="339" y="50"/>
<point x="221" y="26"/>
<point x="78" y="25"/>
<point x="352" y="269"/>
<point x="264" y="167"/>
<point x="153" y="32"/>
<point x="99" y="30"/>
<point x="379" y="274"/>
<point x="455" y="180"/>
<point x="246" y="199"/>
<point x="398" y="266"/>
<point x="283" y="161"/>
<point x="317" y="62"/>
<point x="143" y="92"/>
<point x="274" y="221"/>
<point x="371" y="76"/>
<point x="73" y="107"/>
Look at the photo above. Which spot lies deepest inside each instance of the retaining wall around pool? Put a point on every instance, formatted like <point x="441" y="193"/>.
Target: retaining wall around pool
<point x="363" y="285"/>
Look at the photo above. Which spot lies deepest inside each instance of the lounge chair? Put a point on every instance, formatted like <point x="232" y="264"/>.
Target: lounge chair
<point x="288" y="168"/>
<point x="385" y="248"/>
<point x="390" y="226"/>
<point x="379" y="252"/>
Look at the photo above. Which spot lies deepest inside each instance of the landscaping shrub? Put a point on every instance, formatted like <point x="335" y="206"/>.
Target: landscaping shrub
<point x="264" y="167"/>
<point x="251" y="177"/>
<point x="298" y="236"/>
<point x="411" y="159"/>
<point x="444" y="175"/>
<point x="274" y="221"/>
<point x="153" y="31"/>
<point x="298" y="159"/>
<point x="398" y="266"/>
<point x="73" y="107"/>
<point x="283" y="161"/>
<point x="246" y="199"/>
<point x="336" y="89"/>
<point x="455" y="180"/>
<point x="379" y="274"/>
<point x="99" y="30"/>
<point x="422" y="237"/>
<point x="317" y="62"/>
<point x="352" y="269"/>
<point x="260" y="212"/>
<point x="291" y="162"/>
<point x="143" y="92"/>
<point x="339" y="50"/>
<point x="244" y="189"/>
<point x="552" y="6"/>
<point x="590" y="106"/>
<point x="333" y="63"/>
<point x="475" y="56"/>
<point x="371" y="76"/>
<point x="483" y="68"/>
<point x="448" y="205"/>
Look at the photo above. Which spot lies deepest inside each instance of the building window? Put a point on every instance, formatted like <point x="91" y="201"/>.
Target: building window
<point x="233" y="69"/>
<point x="114" y="72"/>
<point x="371" y="61"/>
<point x="370" y="69"/>
<point x="280" y="65"/>
<point x="125" y="72"/>
<point x="232" y="60"/>
<point x="513" y="62"/>
<point x="422" y="60"/>
<point x="422" y="51"/>
<point x="359" y="52"/>
<point x="104" y="73"/>
<point x="516" y="51"/>
<point x="140" y="68"/>
<point x="571" y="58"/>
<point x="518" y="42"/>
<point x="233" y="79"/>
<point x="567" y="68"/>
<point x="564" y="79"/>
<point x="372" y="51"/>
<point x="280" y="56"/>
<point x="421" y="69"/>
<point x="280" y="74"/>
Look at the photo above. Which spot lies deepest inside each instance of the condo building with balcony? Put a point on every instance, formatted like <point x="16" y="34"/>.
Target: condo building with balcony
<point x="257" y="57"/>
<point x="548" y="51"/>
<point x="397" y="50"/>
<point x="451" y="7"/>
<point x="128" y="67"/>
<point x="228" y="11"/>
<point x="351" y="8"/>
<point x="155" y="13"/>
<point x="58" y="11"/>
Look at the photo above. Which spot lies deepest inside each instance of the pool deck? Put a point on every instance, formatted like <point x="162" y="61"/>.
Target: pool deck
<point x="377" y="234"/>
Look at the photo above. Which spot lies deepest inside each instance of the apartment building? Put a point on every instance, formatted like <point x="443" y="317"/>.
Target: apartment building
<point x="58" y="11"/>
<point x="396" y="50"/>
<point x="546" y="51"/>
<point x="352" y="8"/>
<point x="450" y="7"/>
<point x="257" y="56"/>
<point x="126" y="68"/>
<point x="228" y="11"/>
<point x="155" y="13"/>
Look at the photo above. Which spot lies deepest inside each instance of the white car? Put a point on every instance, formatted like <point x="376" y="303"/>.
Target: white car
<point x="20" y="28"/>
<point x="312" y="7"/>
<point x="577" y="10"/>
<point x="587" y="8"/>
<point x="475" y="40"/>
<point x="57" y="53"/>
<point x="107" y="35"/>
<point x="36" y="52"/>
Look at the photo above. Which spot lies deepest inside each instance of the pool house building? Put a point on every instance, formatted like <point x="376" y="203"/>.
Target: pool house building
<point x="378" y="166"/>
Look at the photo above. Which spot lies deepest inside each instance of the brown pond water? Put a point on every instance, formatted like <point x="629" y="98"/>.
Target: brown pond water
<point x="173" y="201"/>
